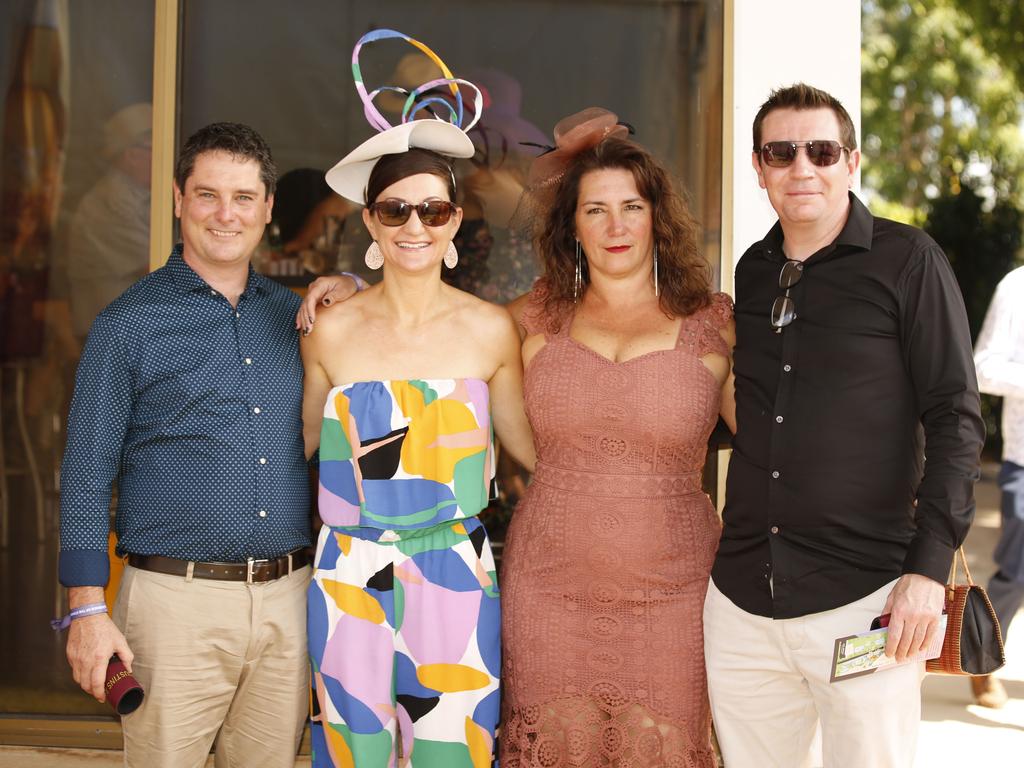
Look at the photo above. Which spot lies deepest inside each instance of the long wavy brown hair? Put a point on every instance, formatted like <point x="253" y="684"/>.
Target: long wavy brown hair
<point x="684" y="277"/>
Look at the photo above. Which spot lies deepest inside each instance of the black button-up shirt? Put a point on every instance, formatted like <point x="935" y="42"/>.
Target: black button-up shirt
<point x="836" y="416"/>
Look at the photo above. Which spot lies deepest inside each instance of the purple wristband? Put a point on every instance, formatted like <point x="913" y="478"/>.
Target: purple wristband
<point x="361" y="285"/>
<point x="77" y="613"/>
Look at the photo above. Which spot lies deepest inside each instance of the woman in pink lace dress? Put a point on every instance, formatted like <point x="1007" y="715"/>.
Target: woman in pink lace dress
<point x="627" y="355"/>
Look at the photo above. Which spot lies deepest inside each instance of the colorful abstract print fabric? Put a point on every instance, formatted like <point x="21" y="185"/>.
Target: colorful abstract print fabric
<point x="404" y="617"/>
<point x="405" y="636"/>
<point x="405" y="454"/>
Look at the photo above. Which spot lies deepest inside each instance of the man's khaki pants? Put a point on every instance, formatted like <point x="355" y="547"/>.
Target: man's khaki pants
<point x="768" y="681"/>
<point x="218" y="660"/>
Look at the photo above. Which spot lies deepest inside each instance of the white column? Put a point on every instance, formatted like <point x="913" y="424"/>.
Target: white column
<point x="769" y="44"/>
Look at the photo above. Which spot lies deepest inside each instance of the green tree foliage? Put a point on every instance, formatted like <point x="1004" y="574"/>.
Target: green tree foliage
<point x="939" y="106"/>
<point x="1000" y="23"/>
<point x="942" y="100"/>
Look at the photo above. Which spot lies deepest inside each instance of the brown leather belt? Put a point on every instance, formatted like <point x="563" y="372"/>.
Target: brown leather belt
<point x="251" y="571"/>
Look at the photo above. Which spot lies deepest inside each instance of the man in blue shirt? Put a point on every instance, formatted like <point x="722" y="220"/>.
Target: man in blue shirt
<point x="188" y="396"/>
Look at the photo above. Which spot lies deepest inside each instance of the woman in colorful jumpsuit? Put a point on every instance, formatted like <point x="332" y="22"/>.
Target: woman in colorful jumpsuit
<point x="401" y="385"/>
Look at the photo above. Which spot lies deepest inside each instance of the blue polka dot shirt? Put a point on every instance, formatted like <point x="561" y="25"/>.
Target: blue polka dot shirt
<point x="194" y="408"/>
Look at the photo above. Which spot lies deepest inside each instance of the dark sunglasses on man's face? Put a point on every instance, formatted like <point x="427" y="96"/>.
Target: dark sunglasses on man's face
<point x="821" y="152"/>
<point x="394" y="213"/>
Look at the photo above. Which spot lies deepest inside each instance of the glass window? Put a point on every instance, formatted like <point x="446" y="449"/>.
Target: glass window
<point x="75" y="91"/>
<point x="287" y="72"/>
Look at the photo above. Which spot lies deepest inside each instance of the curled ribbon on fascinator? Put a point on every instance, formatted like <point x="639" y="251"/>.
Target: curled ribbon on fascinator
<point x="445" y="136"/>
<point x="412" y="106"/>
<point x="573" y="135"/>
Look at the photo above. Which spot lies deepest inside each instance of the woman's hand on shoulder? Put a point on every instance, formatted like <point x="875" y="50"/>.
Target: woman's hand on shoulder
<point x="325" y="291"/>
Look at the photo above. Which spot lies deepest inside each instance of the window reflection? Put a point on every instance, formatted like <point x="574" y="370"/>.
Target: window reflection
<point x="656" y="65"/>
<point x="75" y="84"/>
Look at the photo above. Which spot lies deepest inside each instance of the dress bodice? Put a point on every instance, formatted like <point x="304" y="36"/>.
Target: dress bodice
<point x="405" y="453"/>
<point x="647" y="417"/>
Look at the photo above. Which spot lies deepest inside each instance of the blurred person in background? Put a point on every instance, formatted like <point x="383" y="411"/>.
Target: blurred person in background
<point x="308" y="215"/>
<point x="999" y="359"/>
<point x="109" y="245"/>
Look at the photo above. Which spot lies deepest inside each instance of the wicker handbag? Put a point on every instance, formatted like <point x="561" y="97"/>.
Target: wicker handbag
<point x="973" y="644"/>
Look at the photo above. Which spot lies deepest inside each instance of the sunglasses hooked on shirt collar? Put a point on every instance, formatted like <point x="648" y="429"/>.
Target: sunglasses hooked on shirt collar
<point x="821" y="152"/>
<point x="394" y="213"/>
<point x="784" y="309"/>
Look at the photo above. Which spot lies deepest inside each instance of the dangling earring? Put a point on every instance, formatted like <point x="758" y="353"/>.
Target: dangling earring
<point x="451" y="256"/>
<point x="374" y="258"/>
<point x="579" y="274"/>
<point x="656" y="292"/>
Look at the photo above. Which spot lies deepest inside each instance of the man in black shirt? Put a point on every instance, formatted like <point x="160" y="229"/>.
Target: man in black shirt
<point x="851" y="481"/>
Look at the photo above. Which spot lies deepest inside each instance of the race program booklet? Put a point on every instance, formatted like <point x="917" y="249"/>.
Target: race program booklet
<point x="862" y="654"/>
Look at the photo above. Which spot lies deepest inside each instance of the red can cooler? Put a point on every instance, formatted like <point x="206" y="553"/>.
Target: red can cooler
<point x="124" y="693"/>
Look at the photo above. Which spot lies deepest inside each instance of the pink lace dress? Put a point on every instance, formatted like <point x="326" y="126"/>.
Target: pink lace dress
<point x="608" y="557"/>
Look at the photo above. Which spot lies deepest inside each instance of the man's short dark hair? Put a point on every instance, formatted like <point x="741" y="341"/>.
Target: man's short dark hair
<point x="239" y="140"/>
<point x="802" y="96"/>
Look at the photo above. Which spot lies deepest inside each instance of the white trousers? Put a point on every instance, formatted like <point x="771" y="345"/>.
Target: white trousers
<point x="768" y="681"/>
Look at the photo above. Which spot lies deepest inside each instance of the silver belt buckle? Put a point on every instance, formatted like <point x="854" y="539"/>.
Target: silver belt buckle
<point x="250" y="564"/>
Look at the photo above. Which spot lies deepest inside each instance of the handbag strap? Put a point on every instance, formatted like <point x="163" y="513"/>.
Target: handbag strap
<point x="962" y="556"/>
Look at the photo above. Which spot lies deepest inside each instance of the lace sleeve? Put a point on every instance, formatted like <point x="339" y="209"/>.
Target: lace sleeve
<point x="534" y="318"/>
<point x="713" y="318"/>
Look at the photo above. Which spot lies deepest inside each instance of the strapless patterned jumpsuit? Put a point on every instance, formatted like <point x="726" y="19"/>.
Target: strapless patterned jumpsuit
<point x="608" y="557"/>
<point x="403" y="616"/>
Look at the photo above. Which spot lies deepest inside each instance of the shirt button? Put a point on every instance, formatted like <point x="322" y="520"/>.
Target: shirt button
<point x="263" y="513"/>
<point x="262" y="460"/>
<point x="778" y="419"/>
<point x="213" y="292"/>
<point x="238" y="314"/>
<point x="775" y="528"/>
<point x="256" y="409"/>
<point x="775" y="474"/>
<point x="787" y="367"/>
<point x="248" y="361"/>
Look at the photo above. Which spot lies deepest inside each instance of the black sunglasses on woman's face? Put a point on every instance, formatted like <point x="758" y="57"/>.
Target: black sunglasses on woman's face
<point x="394" y="212"/>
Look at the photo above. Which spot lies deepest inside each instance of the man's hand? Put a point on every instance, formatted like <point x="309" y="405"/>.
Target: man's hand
<point x="326" y="290"/>
<point x="914" y="605"/>
<point x="92" y="640"/>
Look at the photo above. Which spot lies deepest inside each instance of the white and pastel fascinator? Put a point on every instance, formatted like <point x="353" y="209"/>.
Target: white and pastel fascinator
<point x="447" y="137"/>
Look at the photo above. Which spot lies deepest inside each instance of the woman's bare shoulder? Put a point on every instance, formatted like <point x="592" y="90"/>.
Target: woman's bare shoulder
<point x="341" y="316"/>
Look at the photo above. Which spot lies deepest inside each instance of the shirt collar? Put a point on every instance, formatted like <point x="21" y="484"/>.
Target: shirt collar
<point x="857" y="233"/>
<point x="188" y="280"/>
